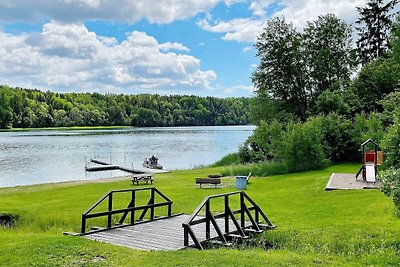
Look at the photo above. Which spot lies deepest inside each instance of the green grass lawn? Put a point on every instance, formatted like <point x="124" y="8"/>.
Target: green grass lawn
<point x="340" y="228"/>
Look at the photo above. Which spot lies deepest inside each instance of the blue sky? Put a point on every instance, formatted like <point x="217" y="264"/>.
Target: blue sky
<point x="200" y="47"/>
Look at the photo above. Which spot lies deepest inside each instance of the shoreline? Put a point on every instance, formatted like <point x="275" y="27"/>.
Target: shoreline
<point x="77" y="128"/>
<point x="73" y="182"/>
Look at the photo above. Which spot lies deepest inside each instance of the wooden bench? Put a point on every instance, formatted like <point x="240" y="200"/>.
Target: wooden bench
<point x="214" y="176"/>
<point x="214" y="181"/>
<point x="145" y="177"/>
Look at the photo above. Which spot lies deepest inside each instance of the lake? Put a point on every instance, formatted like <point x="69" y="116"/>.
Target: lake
<point x="34" y="157"/>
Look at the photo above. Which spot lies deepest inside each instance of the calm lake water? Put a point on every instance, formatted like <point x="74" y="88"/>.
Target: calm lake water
<point x="35" y="157"/>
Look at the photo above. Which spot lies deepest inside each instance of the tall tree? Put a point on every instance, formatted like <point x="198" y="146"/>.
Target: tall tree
<point x="280" y="73"/>
<point x="330" y="57"/>
<point x="374" y="24"/>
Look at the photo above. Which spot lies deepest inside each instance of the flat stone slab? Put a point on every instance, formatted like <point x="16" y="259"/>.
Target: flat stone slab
<point x="346" y="181"/>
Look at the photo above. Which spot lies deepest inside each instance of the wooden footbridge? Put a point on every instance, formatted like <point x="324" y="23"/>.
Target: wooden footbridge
<point x="138" y="226"/>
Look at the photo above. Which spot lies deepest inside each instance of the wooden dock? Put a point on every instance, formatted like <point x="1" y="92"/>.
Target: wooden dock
<point x="104" y="166"/>
<point x="165" y="234"/>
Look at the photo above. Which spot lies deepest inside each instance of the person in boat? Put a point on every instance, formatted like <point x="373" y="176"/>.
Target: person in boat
<point x="153" y="160"/>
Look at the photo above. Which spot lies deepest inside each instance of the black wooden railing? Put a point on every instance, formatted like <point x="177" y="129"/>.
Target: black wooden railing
<point x="129" y="210"/>
<point x="251" y="210"/>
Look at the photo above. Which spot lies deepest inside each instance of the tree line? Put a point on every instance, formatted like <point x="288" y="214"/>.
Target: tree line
<point x="319" y="95"/>
<point x="24" y="108"/>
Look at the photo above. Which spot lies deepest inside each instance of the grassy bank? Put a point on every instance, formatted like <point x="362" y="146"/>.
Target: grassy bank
<point x="314" y="227"/>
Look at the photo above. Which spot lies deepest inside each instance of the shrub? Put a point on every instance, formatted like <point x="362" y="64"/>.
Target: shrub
<point x="368" y="127"/>
<point x="391" y="185"/>
<point x="329" y="101"/>
<point x="266" y="140"/>
<point x="391" y="146"/>
<point x="302" y="147"/>
<point x="265" y="168"/>
<point x="337" y="137"/>
<point x="245" y="153"/>
<point x="227" y="160"/>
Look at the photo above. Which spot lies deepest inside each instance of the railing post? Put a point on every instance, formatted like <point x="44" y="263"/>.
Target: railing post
<point x="208" y="219"/>
<point x="226" y="214"/>
<point x="83" y="229"/>
<point x="152" y="202"/>
<point x="185" y="236"/>
<point x="256" y="216"/>
<point x="242" y="221"/>
<point x="109" y="219"/>
<point x="133" y="200"/>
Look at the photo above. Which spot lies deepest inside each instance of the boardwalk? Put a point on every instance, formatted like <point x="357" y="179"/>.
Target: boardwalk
<point x="165" y="234"/>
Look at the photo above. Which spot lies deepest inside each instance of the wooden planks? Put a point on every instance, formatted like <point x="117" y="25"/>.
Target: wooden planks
<point x="165" y="234"/>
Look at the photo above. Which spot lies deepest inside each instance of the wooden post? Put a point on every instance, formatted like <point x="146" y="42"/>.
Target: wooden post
<point x="134" y="205"/>
<point x="83" y="229"/>
<point x="109" y="219"/>
<point x="185" y="236"/>
<point x="152" y="207"/>
<point x="256" y="217"/>
<point x="226" y="214"/>
<point x="169" y="209"/>
<point x="242" y="221"/>
<point x="208" y="219"/>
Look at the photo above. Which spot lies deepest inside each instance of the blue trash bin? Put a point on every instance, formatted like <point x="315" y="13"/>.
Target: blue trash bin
<point x="241" y="182"/>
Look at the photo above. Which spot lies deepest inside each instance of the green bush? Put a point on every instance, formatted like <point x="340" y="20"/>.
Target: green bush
<point x="246" y="154"/>
<point x="391" y="146"/>
<point x="367" y="127"/>
<point x="265" y="168"/>
<point x="391" y="185"/>
<point x="337" y="137"/>
<point x="329" y="101"/>
<point x="302" y="147"/>
<point x="266" y="140"/>
<point x="229" y="159"/>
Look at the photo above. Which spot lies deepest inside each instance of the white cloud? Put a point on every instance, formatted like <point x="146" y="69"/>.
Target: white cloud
<point x="297" y="12"/>
<point x="239" y="88"/>
<point x="155" y="11"/>
<point x="69" y="56"/>
<point x="259" y="7"/>
<point x="247" y="49"/>
<point x="241" y="30"/>
<point x="173" y="46"/>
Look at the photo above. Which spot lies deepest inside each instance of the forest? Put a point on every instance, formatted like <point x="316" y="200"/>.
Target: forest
<point x="320" y="95"/>
<point x="23" y="108"/>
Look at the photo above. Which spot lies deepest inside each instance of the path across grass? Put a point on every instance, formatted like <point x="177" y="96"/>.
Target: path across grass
<point x="356" y="227"/>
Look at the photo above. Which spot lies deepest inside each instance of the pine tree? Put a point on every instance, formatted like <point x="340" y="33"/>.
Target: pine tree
<point x="374" y="25"/>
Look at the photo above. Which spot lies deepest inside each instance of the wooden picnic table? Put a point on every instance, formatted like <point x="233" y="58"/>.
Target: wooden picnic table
<point x="145" y="177"/>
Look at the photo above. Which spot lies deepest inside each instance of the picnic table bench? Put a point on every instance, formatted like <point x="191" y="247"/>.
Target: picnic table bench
<point x="145" y="177"/>
<point x="214" y="181"/>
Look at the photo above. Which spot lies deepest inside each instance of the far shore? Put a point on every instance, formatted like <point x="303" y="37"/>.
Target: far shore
<point x="72" y="128"/>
